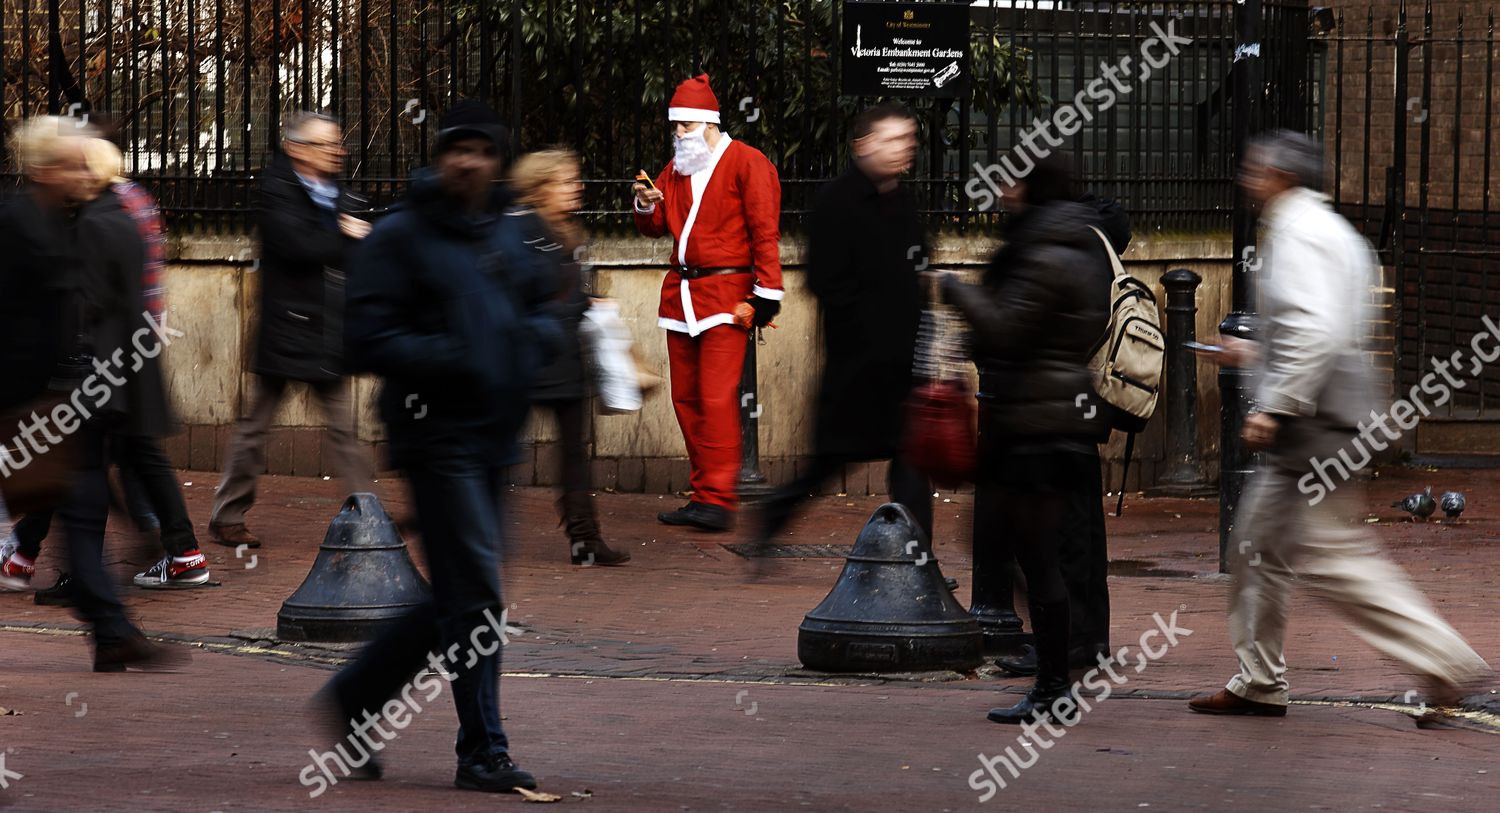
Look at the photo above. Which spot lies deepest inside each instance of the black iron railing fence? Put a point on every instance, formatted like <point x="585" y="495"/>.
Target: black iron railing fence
<point x="201" y="86"/>
<point x="1411" y="136"/>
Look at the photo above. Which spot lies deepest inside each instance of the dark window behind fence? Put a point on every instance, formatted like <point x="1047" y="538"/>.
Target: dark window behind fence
<point x="201" y="86"/>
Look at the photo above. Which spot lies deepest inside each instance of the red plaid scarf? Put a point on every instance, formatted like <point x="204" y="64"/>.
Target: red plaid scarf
<point x="139" y="204"/>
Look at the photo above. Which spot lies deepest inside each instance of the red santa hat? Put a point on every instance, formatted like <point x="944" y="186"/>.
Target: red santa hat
<point x="694" y="101"/>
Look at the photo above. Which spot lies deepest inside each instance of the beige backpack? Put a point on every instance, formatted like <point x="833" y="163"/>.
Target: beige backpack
<point x="1127" y="364"/>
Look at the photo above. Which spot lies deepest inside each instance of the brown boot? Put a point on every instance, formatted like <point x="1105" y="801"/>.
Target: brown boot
<point x="587" y="548"/>
<point x="232" y="536"/>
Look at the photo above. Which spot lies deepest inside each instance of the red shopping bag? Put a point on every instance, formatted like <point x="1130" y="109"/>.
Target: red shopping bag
<point x="939" y="436"/>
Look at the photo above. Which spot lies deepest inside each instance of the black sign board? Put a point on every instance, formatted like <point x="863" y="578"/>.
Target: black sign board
<point x="905" y="49"/>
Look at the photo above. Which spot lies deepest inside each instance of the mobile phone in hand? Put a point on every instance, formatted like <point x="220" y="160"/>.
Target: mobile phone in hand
<point x="1203" y="348"/>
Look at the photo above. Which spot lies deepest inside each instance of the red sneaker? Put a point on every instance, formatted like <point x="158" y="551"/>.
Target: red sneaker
<point x="15" y="572"/>
<point x="176" y="572"/>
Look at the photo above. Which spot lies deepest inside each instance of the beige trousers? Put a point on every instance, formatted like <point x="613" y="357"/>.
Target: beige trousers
<point x="1280" y="534"/>
<point x="247" y="455"/>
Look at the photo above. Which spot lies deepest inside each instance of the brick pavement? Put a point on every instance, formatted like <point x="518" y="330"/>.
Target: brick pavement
<point x="627" y="681"/>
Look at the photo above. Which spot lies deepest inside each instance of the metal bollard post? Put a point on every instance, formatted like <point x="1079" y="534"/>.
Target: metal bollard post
<point x="1185" y="476"/>
<point x="753" y="487"/>
<point x="1236" y="463"/>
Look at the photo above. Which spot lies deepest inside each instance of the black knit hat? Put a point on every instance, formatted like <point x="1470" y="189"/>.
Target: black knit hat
<point x="470" y="118"/>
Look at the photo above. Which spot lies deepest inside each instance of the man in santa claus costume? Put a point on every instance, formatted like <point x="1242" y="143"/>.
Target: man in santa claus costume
<point x="720" y="199"/>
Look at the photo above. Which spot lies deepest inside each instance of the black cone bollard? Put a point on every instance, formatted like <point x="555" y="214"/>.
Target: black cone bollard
<point x="362" y="579"/>
<point x="889" y="611"/>
<point x="1184" y="477"/>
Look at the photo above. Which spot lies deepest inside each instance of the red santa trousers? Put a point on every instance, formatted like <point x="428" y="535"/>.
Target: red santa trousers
<point x="705" y="373"/>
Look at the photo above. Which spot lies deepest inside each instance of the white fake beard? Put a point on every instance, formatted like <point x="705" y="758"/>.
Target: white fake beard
<point x="692" y="154"/>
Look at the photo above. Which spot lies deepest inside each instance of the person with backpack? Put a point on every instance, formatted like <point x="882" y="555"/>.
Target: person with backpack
<point x="1085" y="551"/>
<point x="1036" y="320"/>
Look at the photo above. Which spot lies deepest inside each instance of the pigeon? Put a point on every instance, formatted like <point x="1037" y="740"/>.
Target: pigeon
<point x="1418" y="505"/>
<point x="1452" y="503"/>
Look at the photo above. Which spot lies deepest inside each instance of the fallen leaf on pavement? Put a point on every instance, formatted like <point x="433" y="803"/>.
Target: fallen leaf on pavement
<point x="533" y="796"/>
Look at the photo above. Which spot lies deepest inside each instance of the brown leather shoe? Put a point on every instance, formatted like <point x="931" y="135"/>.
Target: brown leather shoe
<point x="232" y="536"/>
<point x="1226" y="702"/>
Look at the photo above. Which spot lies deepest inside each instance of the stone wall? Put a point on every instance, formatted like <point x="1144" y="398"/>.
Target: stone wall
<point x="211" y="290"/>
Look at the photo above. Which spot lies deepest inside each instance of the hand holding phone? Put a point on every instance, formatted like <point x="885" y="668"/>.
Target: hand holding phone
<point x="646" y="193"/>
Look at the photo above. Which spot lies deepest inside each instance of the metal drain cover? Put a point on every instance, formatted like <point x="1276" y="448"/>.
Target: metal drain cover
<point x="750" y="550"/>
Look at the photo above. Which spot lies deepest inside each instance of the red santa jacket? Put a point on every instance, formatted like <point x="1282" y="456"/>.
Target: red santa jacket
<point x="737" y="224"/>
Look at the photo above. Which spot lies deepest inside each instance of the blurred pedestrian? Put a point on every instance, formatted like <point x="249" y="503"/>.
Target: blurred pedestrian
<point x="1036" y="319"/>
<point x="55" y="366"/>
<point x="865" y="242"/>
<point x="720" y="200"/>
<point x="549" y="190"/>
<point x="21" y="543"/>
<point x="122" y="238"/>
<point x="451" y="308"/>
<point x="1084" y="554"/>
<point x="304" y="239"/>
<point x="1313" y="389"/>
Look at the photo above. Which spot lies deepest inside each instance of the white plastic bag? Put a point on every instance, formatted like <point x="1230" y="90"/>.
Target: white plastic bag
<point x="608" y="342"/>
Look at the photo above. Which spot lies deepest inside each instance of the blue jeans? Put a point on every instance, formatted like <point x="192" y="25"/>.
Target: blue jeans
<point x="457" y="503"/>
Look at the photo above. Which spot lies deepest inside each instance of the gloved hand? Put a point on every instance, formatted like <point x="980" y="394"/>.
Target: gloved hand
<point x="765" y="310"/>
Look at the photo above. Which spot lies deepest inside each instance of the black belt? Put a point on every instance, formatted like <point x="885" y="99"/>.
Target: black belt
<point x="699" y="273"/>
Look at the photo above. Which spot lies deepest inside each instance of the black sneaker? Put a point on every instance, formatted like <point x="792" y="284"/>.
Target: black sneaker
<point x="493" y="773"/>
<point x="58" y="595"/>
<point x="699" y="515"/>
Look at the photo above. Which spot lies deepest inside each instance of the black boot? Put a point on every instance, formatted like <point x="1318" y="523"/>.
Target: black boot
<point x="1024" y="664"/>
<point x="1050" y="624"/>
<point x="586" y="546"/>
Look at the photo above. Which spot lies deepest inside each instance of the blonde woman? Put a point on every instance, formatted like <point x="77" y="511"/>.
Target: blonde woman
<point x="548" y="191"/>
<point x="120" y="231"/>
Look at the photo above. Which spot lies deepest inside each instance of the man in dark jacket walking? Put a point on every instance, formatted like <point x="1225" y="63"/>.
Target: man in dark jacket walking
<point x="451" y="308"/>
<point x="303" y="242"/>
<point x="865" y="242"/>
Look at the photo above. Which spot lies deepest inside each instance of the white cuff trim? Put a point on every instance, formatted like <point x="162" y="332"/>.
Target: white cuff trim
<point x="638" y="210"/>
<point x="768" y="293"/>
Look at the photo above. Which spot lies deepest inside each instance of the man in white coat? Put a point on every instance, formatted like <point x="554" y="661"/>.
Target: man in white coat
<point x="1313" y="391"/>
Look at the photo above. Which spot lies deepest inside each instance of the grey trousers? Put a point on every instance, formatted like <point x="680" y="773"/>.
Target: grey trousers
<point x="1282" y="530"/>
<point x="247" y="454"/>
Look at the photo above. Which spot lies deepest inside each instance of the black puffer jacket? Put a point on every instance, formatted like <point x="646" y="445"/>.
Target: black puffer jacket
<point x="1043" y="307"/>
